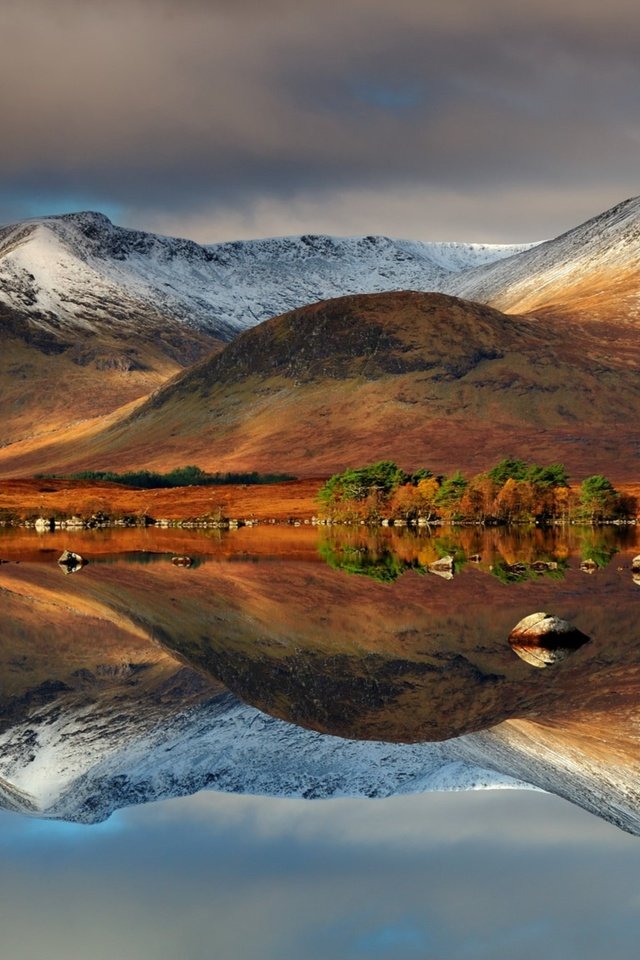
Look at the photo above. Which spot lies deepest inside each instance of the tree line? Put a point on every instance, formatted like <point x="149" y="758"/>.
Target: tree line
<point x="512" y="491"/>
<point x="189" y="476"/>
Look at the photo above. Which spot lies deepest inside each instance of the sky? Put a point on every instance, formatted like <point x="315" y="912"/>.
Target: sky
<point x="471" y="876"/>
<point x="221" y="119"/>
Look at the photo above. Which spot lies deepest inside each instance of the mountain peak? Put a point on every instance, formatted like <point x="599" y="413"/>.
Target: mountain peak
<point x="83" y="218"/>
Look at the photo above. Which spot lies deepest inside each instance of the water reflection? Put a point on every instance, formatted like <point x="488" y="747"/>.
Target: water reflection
<point x="542" y="639"/>
<point x="344" y="633"/>
<point x="512" y="555"/>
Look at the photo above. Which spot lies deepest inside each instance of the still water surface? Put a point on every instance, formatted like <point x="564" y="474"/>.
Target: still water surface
<point x="318" y="665"/>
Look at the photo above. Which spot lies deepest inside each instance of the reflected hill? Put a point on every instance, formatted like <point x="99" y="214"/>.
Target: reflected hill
<point x="110" y="663"/>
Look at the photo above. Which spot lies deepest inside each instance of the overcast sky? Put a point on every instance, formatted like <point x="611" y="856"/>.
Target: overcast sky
<point x="218" y="119"/>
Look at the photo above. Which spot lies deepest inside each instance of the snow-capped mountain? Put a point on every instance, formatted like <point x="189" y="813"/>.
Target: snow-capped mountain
<point x="259" y="279"/>
<point x="592" y="270"/>
<point x="113" y="313"/>
<point x="80" y="269"/>
<point x="78" y="763"/>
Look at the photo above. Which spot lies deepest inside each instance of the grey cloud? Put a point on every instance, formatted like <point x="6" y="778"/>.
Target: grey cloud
<point x="167" y="108"/>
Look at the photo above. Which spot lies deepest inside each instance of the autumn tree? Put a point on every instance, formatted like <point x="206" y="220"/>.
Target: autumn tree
<point x="359" y="483"/>
<point x="412" y="502"/>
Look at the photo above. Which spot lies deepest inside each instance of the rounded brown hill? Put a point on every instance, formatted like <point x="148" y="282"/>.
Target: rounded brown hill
<point x="421" y="378"/>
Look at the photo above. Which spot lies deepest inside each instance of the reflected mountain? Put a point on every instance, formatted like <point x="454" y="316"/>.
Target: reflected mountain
<point x="251" y="671"/>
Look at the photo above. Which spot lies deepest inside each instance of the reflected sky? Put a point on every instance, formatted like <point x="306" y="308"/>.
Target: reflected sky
<point x="486" y="876"/>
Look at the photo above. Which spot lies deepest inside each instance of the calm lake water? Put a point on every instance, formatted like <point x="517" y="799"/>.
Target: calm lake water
<point x="296" y="743"/>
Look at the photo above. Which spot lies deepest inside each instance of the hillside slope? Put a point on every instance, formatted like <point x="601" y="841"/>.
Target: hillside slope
<point x="422" y="378"/>
<point x="592" y="271"/>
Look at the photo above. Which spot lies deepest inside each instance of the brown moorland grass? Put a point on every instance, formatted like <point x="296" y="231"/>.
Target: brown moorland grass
<point x="293" y="499"/>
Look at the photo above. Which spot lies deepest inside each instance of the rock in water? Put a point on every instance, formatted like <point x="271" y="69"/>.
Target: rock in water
<point x="442" y="568"/>
<point x="542" y="639"/>
<point x="70" y="562"/>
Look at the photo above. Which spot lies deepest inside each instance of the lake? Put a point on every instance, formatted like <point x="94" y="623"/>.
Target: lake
<point x="292" y="742"/>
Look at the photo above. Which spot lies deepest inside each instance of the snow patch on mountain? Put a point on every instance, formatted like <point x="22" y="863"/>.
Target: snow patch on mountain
<point x="81" y="270"/>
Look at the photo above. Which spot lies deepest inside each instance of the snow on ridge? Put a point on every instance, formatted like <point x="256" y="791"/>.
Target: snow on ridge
<point x="80" y="761"/>
<point x="82" y="269"/>
<point x="609" y="241"/>
<point x="450" y="256"/>
<point x="76" y="765"/>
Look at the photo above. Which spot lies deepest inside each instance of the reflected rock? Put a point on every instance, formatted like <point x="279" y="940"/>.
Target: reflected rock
<point x="181" y="561"/>
<point x="635" y="576"/>
<point x="442" y="567"/>
<point x="542" y="639"/>
<point x="70" y="562"/>
<point x="588" y="566"/>
<point x="635" y="565"/>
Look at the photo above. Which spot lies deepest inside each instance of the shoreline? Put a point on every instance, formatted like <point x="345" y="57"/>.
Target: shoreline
<point x="81" y="504"/>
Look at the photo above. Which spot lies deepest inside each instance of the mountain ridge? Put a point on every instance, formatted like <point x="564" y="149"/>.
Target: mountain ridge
<point x="111" y="313"/>
<point x="218" y="288"/>
<point x="591" y="270"/>
<point x="588" y="274"/>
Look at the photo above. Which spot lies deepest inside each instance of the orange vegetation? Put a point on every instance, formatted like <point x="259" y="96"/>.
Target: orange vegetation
<point x="293" y="499"/>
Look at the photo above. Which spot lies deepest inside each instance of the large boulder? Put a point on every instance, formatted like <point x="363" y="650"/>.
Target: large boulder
<point x="543" y="639"/>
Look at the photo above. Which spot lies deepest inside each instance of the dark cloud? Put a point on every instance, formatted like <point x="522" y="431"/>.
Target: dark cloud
<point x="204" y="111"/>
